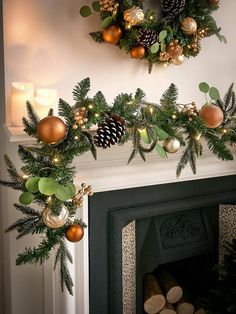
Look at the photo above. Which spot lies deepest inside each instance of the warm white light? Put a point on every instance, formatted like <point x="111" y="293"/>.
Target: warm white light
<point x="21" y="92"/>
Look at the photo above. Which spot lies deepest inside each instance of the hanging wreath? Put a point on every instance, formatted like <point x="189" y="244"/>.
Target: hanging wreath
<point x="46" y="177"/>
<point x="177" y="34"/>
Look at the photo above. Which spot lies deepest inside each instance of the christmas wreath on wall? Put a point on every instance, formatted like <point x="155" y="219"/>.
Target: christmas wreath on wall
<point x="166" y="40"/>
<point x="46" y="178"/>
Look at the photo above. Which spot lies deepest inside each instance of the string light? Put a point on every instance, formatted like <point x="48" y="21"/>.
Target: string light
<point x="56" y="160"/>
<point x="224" y="131"/>
<point x="151" y="110"/>
<point x="96" y="115"/>
<point x="25" y="176"/>
<point x="174" y="116"/>
<point x="76" y="137"/>
<point x="90" y="106"/>
<point x="49" y="200"/>
<point x="197" y="137"/>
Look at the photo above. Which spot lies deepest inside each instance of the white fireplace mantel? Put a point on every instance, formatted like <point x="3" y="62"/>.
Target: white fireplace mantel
<point x="111" y="172"/>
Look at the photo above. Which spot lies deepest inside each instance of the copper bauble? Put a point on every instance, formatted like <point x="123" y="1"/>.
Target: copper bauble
<point x="137" y="52"/>
<point x="171" y="145"/>
<point x="134" y="16"/>
<point x="214" y="2"/>
<point x="74" y="233"/>
<point x="211" y="115"/>
<point x="53" y="221"/>
<point x="189" y="26"/>
<point x="179" y="60"/>
<point x="112" y="34"/>
<point x="174" y="50"/>
<point x="51" y="130"/>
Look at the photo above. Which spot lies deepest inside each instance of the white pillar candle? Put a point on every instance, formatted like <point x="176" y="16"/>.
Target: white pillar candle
<point x="21" y="93"/>
<point x="44" y="100"/>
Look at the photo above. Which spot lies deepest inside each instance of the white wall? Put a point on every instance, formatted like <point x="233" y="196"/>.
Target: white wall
<point x="47" y="42"/>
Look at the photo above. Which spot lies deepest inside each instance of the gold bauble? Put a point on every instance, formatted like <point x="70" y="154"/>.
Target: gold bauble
<point x="211" y="115"/>
<point x="107" y="5"/>
<point x="174" y="50"/>
<point x="74" y="233"/>
<point x="179" y="60"/>
<point x="189" y="26"/>
<point x="137" y="52"/>
<point x="53" y="221"/>
<point x="171" y="145"/>
<point x="134" y="16"/>
<point x="51" y="130"/>
<point x="112" y="34"/>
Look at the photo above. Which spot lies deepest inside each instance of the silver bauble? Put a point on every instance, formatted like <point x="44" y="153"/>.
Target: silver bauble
<point x="171" y="145"/>
<point x="53" y="221"/>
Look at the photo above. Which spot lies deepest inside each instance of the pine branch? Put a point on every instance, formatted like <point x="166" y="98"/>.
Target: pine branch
<point x="17" y="182"/>
<point x="27" y="210"/>
<point x="30" y="124"/>
<point x="92" y="146"/>
<point x="97" y="36"/>
<point x="100" y="103"/>
<point x="169" y="98"/>
<point x="217" y="146"/>
<point x="139" y="95"/>
<point x="81" y="90"/>
<point x="188" y="157"/>
<point x="65" y="111"/>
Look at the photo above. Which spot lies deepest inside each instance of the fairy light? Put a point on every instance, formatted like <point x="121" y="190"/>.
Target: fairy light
<point x="224" y="131"/>
<point x="90" y="106"/>
<point x="76" y="137"/>
<point x="25" y="176"/>
<point x="151" y="110"/>
<point x="55" y="160"/>
<point x="174" y="116"/>
<point x="197" y="137"/>
<point x="96" y="115"/>
<point x="49" y="200"/>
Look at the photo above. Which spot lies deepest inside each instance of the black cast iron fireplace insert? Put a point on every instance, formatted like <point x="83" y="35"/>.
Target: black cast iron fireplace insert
<point x="196" y="201"/>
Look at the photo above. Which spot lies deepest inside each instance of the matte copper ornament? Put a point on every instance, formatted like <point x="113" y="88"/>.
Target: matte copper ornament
<point x="174" y="50"/>
<point x="112" y="34"/>
<point x="214" y="2"/>
<point x="137" y="52"/>
<point x="53" y="221"/>
<point x="134" y="16"/>
<point x="211" y="115"/>
<point x="179" y="60"/>
<point x="171" y="145"/>
<point x="189" y="26"/>
<point x="51" y="130"/>
<point x="74" y="233"/>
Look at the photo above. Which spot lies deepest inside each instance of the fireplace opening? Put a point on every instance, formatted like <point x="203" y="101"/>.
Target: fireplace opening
<point x="136" y="232"/>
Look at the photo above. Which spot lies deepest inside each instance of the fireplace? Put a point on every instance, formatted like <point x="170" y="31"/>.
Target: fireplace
<point x="134" y="231"/>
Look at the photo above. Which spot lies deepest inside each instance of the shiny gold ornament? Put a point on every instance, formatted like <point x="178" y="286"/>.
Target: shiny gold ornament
<point x="112" y="34"/>
<point x="211" y="115"/>
<point x="74" y="233"/>
<point x="134" y="16"/>
<point x="171" y="145"/>
<point x="189" y="26"/>
<point x="137" y="52"/>
<point x="79" y="197"/>
<point x="164" y="56"/>
<point x="107" y="5"/>
<point x="51" y="130"/>
<point x="79" y="116"/>
<point x="174" y="50"/>
<point x="178" y="61"/>
<point x="52" y="221"/>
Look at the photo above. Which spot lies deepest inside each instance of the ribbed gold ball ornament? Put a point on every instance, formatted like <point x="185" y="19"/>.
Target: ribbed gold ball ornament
<point x="178" y="61"/>
<point x="171" y="145"/>
<point x="189" y="26"/>
<point x="134" y="16"/>
<point x="51" y="130"/>
<point x="53" y="221"/>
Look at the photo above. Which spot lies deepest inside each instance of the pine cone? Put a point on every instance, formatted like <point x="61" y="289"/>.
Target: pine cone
<point x="109" y="132"/>
<point x="172" y="7"/>
<point x="146" y="37"/>
<point x="107" y="5"/>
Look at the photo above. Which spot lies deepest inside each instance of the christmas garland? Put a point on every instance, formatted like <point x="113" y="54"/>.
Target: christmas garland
<point x="46" y="178"/>
<point x="140" y="33"/>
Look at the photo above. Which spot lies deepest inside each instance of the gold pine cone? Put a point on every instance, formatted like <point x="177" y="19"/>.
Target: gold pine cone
<point x="134" y="16"/>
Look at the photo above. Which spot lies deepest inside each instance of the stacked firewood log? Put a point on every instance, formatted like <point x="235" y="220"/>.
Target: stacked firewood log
<point x="163" y="294"/>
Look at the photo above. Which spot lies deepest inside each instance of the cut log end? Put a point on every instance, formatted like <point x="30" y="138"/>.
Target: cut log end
<point x="185" y="308"/>
<point x="167" y="311"/>
<point x="200" y="311"/>
<point x="174" y="294"/>
<point x="154" y="304"/>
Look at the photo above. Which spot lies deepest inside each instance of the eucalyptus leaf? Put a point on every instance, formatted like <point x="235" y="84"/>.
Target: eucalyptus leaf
<point x="96" y="6"/>
<point x="106" y="22"/>
<point x="162" y="35"/>
<point x="154" y="48"/>
<point x="47" y="186"/>
<point x="161" y="134"/>
<point x="65" y="192"/>
<point x="214" y="93"/>
<point x="145" y="136"/>
<point x="26" y="198"/>
<point x="85" y="11"/>
<point x="204" y="87"/>
<point x="163" y="46"/>
<point x="160" y="150"/>
<point x="32" y="184"/>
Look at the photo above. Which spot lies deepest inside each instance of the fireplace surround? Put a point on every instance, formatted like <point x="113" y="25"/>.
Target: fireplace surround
<point x="110" y="212"/>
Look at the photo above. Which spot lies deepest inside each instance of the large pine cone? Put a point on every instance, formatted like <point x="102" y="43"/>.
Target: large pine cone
<point x="147" y="37"/>
<point x="109" y="132"/>
<point x="107" y="5"/>
<point x="172" y="7"/>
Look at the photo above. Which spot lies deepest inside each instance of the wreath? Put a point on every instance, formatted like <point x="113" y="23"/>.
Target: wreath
<point x="46" y="177"/>
<point x="140" y="33"/>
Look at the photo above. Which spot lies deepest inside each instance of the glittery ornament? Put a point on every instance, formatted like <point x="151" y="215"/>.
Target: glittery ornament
<point x="188" y="26"/>
<point x="134" y="16"/>
<point x="53" y="221"/>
